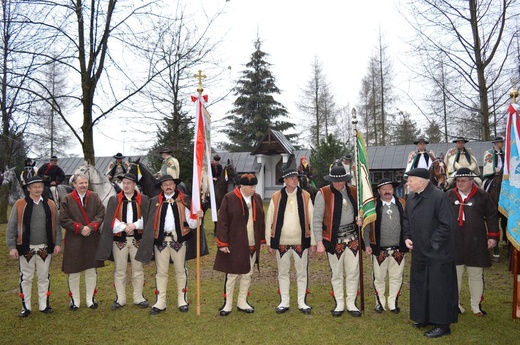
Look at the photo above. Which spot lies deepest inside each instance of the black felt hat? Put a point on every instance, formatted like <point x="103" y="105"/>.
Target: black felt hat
<point x="337" y="174"/>
<point x="385" y="181"/>
<point x="419" y="172"/>
<point x="288" y="173"/>
<point x="167" y="178"/>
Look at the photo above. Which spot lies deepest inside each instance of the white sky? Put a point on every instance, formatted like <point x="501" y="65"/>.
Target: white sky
<point x="342" y="34"/>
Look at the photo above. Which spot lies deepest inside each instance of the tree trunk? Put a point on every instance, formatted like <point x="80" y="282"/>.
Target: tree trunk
<point x="4" y="203"/>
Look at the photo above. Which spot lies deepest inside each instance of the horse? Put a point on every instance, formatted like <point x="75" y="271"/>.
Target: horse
<point x="97" y="181"/>
<point x="306" y="185"/>
<point x="223" y="185"/>
<point x="15" y="188"/>
<point x="438" y="175"/>
<point x="147" y="180"/>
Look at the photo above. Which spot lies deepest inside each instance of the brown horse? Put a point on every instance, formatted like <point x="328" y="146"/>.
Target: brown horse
<point x="306" y="185"/>
<point x="224" y="184"/>
<point x="438" y="174"/>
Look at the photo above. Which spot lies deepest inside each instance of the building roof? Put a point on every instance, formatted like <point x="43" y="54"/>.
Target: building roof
<point x="396" y="157"/>
<point x="245" y="162"/>
<point x="70" y="164"/>
<point x="273" y="142"/>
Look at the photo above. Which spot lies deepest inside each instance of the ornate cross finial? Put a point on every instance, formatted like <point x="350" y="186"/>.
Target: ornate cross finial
<point x="200" y="76"/>
<point x="514" y="90"/>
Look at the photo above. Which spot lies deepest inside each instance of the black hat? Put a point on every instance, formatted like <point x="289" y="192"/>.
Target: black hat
<point x="35" y="179"/>
<point x="119" y="155"/>
<point x="248" y="179"/>
<point x="460" y="139"/>
<point x="337" y="174"/>
<point x="385" y="181"/>
<point x="498" y="139"/>
<point x="419" y="172"/>
<point x="28" y="161"/>
<point x="421" y="139"/>
<point x="216" y="158"/>
<point x="54" y="158"/>
<point x="165" y="150"/>
<point x="347" y="157"/>
<point x="128" y="176"/>
<point x="464" y="172"/>
<point x="167" y="178"/>
<point x="288" y="173"/>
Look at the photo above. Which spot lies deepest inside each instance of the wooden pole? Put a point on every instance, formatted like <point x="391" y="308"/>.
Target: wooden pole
<point x="516" y="307"/>
<point x="359" y="228"/>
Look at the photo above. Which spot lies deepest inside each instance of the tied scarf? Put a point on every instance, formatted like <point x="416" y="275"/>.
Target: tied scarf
<point x="463" y="201"/>
<point x="418" y="157"/>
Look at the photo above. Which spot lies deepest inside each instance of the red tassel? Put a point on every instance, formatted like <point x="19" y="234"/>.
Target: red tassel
<point x="70" y="293"/>
<point x="22" y="295"/>
<point x="156" y="291"/>
<point x="48" y="293"/>
<point x="332" y="293"/>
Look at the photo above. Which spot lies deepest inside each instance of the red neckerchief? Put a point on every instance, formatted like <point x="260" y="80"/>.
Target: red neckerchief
<point x="76" y="197"/>
<point x="472" y="192"/>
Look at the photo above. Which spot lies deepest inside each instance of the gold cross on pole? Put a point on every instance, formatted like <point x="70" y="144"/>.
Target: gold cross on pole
<point x="200" y="76"/>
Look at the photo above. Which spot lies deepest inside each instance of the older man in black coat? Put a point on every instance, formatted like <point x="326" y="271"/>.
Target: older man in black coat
<point x="429" y="224"/>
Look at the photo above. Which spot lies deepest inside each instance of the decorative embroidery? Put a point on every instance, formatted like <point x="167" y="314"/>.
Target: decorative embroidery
<point x="29" y="255"/>
<point x="175" y="245"/>
<point x="353" y="245"/>
<point x="252" y="250"/>
<point x="340" y="248"/>
<point x="136" y="243"/>
<point x="398" y="256"/>
<point x="161" y="247"/>
<point x="120" y="244"/>
<point x="298" y="248"/>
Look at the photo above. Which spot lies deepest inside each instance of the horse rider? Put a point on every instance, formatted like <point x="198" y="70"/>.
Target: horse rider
<point x="216" y="168"/>
<point x="170" y="165"/>
<point x="350" y="168"/>
<point x="53" y="175"/>
<point x="461" y="156"/>
<point x="306" y="169"/>
<point x="420" y="158"/>
<point x="118" y="168"/>
<point x="29" y="170"/>
<point x="493" y="167"/>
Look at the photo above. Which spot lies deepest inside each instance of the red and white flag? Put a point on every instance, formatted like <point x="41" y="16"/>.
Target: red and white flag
<point x="202" y="157"/>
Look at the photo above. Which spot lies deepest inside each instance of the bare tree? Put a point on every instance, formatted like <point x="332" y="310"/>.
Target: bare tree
<point x="469" y="37"/>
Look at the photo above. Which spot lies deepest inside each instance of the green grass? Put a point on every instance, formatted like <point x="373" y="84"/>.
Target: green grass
<point x="131" y="325"/>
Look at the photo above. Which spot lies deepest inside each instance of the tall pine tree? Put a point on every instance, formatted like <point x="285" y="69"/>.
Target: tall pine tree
<point x="255" y="109"/>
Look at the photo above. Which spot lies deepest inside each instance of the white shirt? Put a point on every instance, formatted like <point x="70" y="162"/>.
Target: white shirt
<point x="120" y="226"/>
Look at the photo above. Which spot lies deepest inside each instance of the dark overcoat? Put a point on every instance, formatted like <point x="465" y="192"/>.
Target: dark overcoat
<point x="107" y="234"/>
<point x="430" y="223"/>
<point x="232" y="233"/>
<point x="480" y="224"/>
<point x="79" y="251"/>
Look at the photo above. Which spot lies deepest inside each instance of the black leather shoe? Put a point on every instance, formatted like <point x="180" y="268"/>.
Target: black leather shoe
<point x="184" y="308"/>
<point x="438" y="332"/>
<point x="249" y="310"/>
<point x="156" y="311"/>
<point x="47" y="310"/>
<point x="24" y="313"/>
<point x="116" y="306"/>
<point x="224" y="313"/>
<point x="337" y="313"/>
<point x="93" y="305"/>
<point x="306" y="311"/>
<point x="420" y="325"/>
<point x="73" y="307"/>
<point x="355" y="313"/>
<point x="397" y="310"/>
<point x="281" y="310"/>
<point x="379" y="308"/>
<point x="143" y="304"/>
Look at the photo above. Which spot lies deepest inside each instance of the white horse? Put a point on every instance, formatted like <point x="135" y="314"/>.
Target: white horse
<point x="97" y="181"/>
<point x="15" y="189"/>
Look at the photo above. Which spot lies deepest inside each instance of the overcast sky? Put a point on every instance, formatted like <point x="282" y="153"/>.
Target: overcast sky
<point x="342" y="34"/>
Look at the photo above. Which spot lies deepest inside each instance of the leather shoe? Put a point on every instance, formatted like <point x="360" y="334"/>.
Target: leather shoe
<point x="355" y="313"/>
<point x="337" y="313"/>
<point x="156" y="311"/>
<point x="438" y="332"/>
<point x="420" y="324"/>
<point x="24" y="313"/>
<point x="306" y="311"/>
<point x="224" y="313"/>
<point x="281" y="310"/>
<point x="73" y="307"/>
<point x="397" y="310"/>
<point x="116" y="306"/>
<point x="143" y="304"/>
<point x="379" y="308"/>
<point x="481" y="313"/>
<point x="184" y="308"/>
<point x="249" y="310"/>
<point x="47" y="310"/>
<point x="93" y="305"/>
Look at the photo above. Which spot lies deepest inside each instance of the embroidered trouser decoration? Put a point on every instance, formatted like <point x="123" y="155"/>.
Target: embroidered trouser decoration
<point x="284" y="281"/>
<point x="27" y="269"/>
<point x="162" y="262"/>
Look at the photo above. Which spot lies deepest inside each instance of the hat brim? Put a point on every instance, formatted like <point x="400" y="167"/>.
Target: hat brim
<point x="393" y="183"/>
<point x="281" y="179"/>
<point x="329" y="178"/>
<point x="418" y="141"/>
<point x="457" y="140"/>
<point x="45" y="183"/>
<point x="176" y="180"/>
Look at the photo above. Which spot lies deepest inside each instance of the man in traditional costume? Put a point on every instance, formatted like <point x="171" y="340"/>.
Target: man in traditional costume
<point x="118" y="168"/>
<point x="335" y="230"/>
<point x="81" y="215"/>
<point x="476" y="233"/>
<point x="121" y="235"/>
<point x="429" y="226"/>
<point x="288" y="233"/>
<point x="461" y="156"/>
<point x="170" y="165"/>
<point x="306" y="169"/>
<point x="420" y="158"/>
<point x="350" y="168"/>
<point x="167" y="228"/>
<point x="33" y="237"/>
<point x="29" y="170"/>
<point x="384" y="240"/>
<point x="240" y="235"/>
<point x="216" y="168"/>
<point x="53" y="175"/>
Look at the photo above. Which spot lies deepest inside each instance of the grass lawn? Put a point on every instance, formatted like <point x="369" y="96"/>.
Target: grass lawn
<point x="131" y="325"/>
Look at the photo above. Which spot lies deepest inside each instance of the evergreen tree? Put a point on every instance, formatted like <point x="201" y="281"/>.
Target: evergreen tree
<point x="323" y="155"/>
<point x="255" y="109"/>
<point x="406" y="130"/>
<point x="434" y="133"/>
